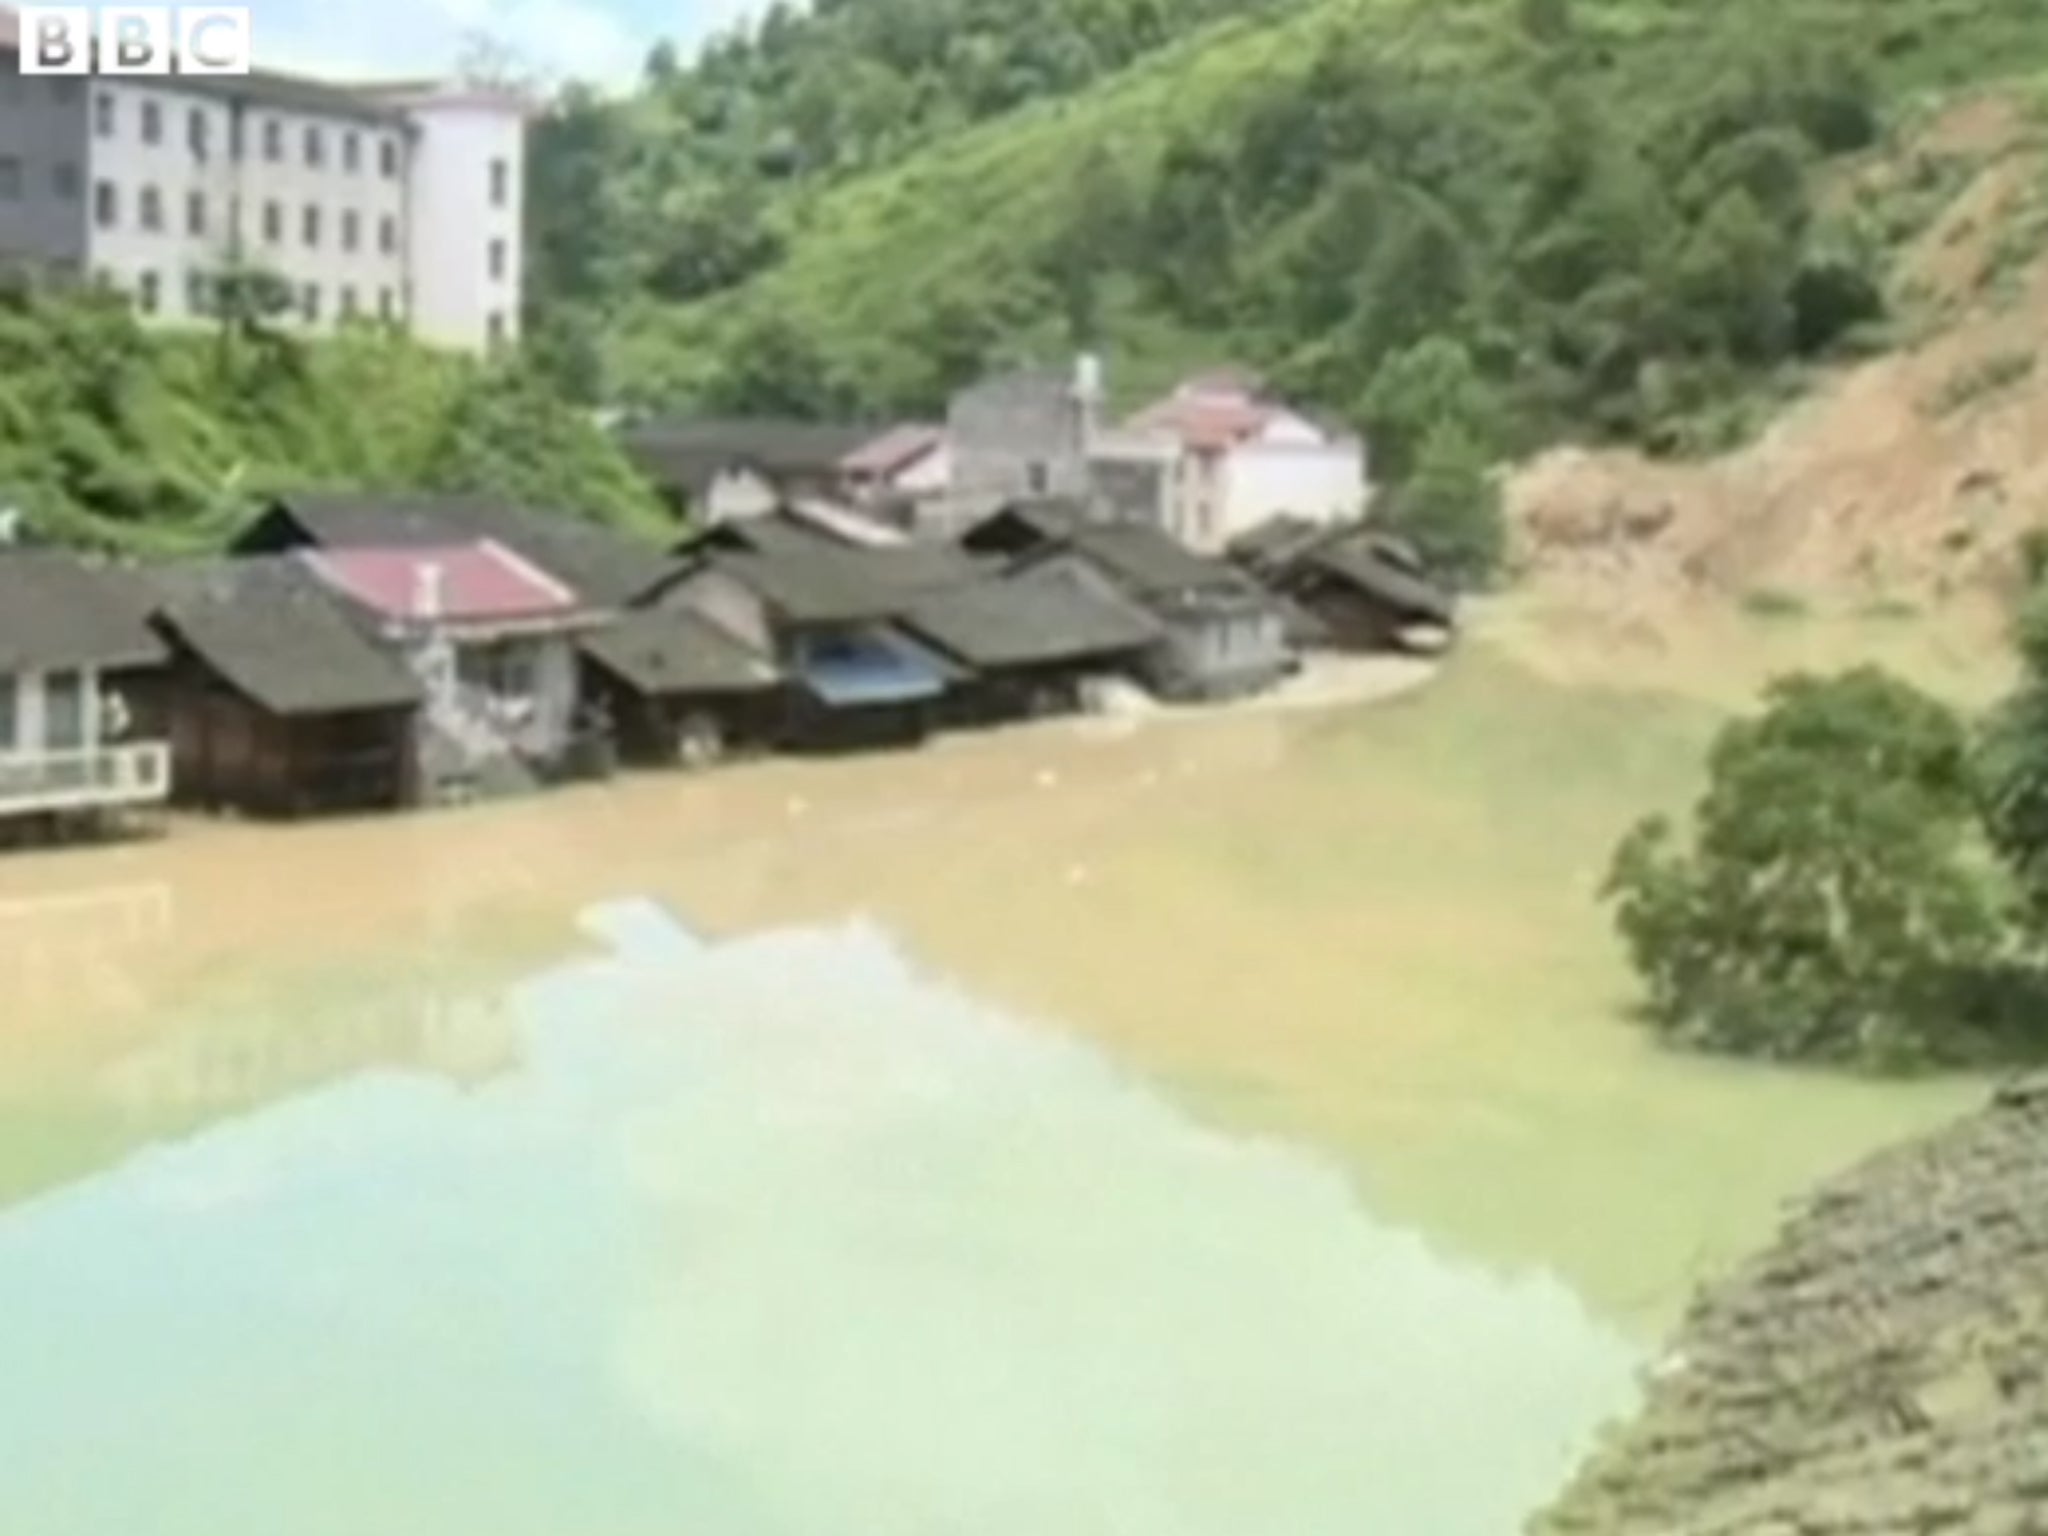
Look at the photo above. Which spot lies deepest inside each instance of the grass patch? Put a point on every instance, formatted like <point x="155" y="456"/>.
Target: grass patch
<point x="1775" y="603"/>
<point x="1981" y="379"/>
<point x="1889" y="610"/>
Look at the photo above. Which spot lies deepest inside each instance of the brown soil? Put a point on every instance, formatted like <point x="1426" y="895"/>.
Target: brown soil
<point x="1905" y="480"/>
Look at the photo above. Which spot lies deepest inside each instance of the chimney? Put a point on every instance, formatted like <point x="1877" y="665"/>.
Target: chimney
<point x="426" y="596"/>
<point x="1088" y="378"/>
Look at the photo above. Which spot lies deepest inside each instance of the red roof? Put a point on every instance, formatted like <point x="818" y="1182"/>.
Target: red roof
<point x="463" y="583"/>
<point x="895" y="449"/>
<point x="1204" y="417"/>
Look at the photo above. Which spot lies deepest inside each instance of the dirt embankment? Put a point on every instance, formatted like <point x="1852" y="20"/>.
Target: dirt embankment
<point x="1881" y="1371"/>
<point x="1906" y="480"/>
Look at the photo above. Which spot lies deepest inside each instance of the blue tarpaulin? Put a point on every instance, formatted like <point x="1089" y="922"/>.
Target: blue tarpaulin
<point x="873" y="668"/>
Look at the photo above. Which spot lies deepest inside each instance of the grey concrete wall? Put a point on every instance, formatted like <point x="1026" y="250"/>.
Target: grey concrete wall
<point x="45" y="173"/>
<point x="1003" y="429"/>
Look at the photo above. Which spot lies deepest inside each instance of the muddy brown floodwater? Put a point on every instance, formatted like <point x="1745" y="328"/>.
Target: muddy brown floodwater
<point x="1185" y="1128"/>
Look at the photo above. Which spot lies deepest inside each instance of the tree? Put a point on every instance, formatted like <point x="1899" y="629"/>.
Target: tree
<point x="2013" y="762"/>
<point x="1420" y="390"/>
<point x="1834" y="903"/>
<point x="1734" y="277"/>
<point x="1450" y="507"/>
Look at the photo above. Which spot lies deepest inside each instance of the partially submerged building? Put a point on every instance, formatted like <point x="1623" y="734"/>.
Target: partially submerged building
<point x="280" y="704"/>
<point x="80" y="692"/>
<point x="679" y="689"/>
<point x="1366" y="590"/>
<point x="1222" y="634"/>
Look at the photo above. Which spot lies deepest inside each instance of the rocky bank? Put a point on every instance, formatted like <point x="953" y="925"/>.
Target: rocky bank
<point x="1881" y="1370"/>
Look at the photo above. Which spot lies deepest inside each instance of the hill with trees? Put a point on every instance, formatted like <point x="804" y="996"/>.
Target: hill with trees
<point x="1499" y="220"/>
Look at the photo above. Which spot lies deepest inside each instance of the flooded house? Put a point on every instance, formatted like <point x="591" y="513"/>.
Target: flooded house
<point x="679" y="690"/>
<point x="1366" y="590"/>
<point x="279" y="703"/>
<point x="1222" y="634"/>
<point x="80" y="704"/>
<point x="827" y="616"/>
<point x="495" y="644"/>
<point x="1031" y="643"/>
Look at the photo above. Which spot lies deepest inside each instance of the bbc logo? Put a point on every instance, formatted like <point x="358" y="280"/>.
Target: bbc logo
<point x="135" y="40"/>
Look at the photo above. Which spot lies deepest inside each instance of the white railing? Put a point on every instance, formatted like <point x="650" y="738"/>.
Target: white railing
<point x="132" y="773"/>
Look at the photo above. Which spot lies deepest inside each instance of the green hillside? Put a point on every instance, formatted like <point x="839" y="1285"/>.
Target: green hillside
<point x="114" y="436"/>
<point x="1532" y="216"/>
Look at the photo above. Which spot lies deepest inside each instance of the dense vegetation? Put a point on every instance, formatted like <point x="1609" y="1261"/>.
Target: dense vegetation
<point x="1496" y="219"/>
<point x="1866" y="879"/>
<point x="115" y="436"/>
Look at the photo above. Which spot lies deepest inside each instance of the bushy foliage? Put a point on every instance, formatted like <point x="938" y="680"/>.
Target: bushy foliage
<point x="1834" y="902"/>
<point x="119" y="437"/>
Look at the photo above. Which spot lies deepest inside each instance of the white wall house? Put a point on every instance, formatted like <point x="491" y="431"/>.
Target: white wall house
<point x="1244" y="458"/>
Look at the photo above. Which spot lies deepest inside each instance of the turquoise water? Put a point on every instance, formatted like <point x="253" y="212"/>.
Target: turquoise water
<point x="767" y="1237"/>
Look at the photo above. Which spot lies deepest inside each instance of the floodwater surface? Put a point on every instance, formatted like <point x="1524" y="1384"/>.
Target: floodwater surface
<point x="1202" y="1128"/>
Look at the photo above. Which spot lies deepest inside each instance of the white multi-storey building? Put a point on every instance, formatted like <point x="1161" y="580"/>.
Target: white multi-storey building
<point x="397" y="202"/>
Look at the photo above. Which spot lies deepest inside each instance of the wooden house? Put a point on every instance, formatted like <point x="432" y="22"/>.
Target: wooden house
<point x="827" y="615"/>
<point x="1030" y="642"/>
<point x="279" y="705"/>
<point x="80" y="703"/>
<point x="1367" y="591"/>
<point x="680" y="690"/>
<point x="1223" y="635"/>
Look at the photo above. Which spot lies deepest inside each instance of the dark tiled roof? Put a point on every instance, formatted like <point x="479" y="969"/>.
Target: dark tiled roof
<point x="607" y="568"/>
<point x="1268" y="547"/>
<point x="1032" y="617"/>
<point x="809" y="577"/>
<point x="688" y="455"/>
<point x="1368" y="569"/>
<point x="668" y="650"/>
<point x="58" y="610"/>
<point x="292" y="93"/>
<point x="273" y="631"/>
<point x="1150" y="561"/>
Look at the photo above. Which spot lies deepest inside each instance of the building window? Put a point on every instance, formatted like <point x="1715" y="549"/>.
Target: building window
<point x="497" y="260"/>
<point x="65" y="180"/>
<point x="198" y="293"/>
<point x="351" y="151"/>
<point x="195" y="213"/>
<point x="103" y="110"/>
<point x="10" y="177"/>
<point x="309" y="224"/>
<point x="348" y="302"/>
<point x="64" y="711"/>
<point x="10" y="713"/>
<point x="387" y="234"/>
<point x="316" y="147"/>
<point x="1036" y="478"/>
<point x="273" y="139"/>
<point x="351" y="229"/>
<point x="501" y="183"/>
<point x="309" y="302"/>
<point x="197" y="132"/>
<point x="384" y="307"/>
<point x="387" y="157"/>
<point x="235" y="131"/>
<point x="152" y="122"/>
<point x="150" y="210"/>
<point x="494" y="328"/>
<point x="149" y="292"/>
<point x="507" y="670"/>
<point x="106" y="204"/>
<point x="273" y="222"/>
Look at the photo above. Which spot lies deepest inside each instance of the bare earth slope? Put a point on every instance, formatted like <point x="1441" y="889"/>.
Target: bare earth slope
<point x="1904" y="480"/>
<point x="1881" y="1370"/>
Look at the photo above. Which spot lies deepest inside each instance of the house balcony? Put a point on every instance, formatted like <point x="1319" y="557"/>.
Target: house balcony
<point x="84" y="779"/>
